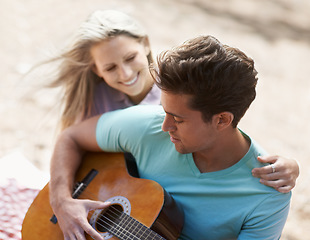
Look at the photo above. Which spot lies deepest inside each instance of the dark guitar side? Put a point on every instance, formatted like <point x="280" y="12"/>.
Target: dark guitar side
<point x="150" y="204"/>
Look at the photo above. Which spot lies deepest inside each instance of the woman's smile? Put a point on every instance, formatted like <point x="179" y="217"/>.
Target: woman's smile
<point x="131" y="82"/>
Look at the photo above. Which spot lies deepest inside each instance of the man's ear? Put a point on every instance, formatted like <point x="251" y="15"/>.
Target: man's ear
<point x="223" y="120"/>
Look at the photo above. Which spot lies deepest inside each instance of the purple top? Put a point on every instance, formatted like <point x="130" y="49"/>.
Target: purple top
<point x="108" y="99"/>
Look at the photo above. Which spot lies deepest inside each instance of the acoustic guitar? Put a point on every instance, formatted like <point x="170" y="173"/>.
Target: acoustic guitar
<point x="140" y="209"/>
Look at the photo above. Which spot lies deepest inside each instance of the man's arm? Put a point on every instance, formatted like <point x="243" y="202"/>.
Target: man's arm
<point x="69" y="148"/>
<point x="267" y="220"/>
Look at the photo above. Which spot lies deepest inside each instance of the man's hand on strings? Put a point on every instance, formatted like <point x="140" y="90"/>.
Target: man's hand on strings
<point x="72" y="218"/>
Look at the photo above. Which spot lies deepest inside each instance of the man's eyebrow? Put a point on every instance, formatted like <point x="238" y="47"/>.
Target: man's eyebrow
<point x="175" y="115"/>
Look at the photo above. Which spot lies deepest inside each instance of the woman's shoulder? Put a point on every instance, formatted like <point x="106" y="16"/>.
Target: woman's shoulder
<point x="153" y="97"/>
<point x="139" y="111"/>
<point x="108" y="99"/>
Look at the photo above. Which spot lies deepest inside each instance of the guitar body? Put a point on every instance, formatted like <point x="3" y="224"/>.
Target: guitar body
<point x="144" y="200"/>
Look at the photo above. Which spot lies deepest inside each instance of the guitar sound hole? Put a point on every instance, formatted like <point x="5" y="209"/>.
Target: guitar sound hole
<point x="109" y="218"/>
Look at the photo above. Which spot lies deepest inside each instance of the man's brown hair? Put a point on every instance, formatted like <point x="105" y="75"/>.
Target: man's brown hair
<point x="218" y="77"/>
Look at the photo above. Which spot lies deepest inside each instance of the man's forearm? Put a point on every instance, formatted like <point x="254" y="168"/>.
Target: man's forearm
<point x="64" y="164"/>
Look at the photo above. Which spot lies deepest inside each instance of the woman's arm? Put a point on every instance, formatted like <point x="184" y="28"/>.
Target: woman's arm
<point x="281" y="174"/>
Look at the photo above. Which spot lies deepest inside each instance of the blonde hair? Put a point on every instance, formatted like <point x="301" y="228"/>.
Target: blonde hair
<point x="75" y="72"/>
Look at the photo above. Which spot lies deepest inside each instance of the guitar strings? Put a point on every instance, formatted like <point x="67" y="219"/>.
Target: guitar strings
<point x="116" y="227"/>
<point x="117" y="213"/>
<point x="134" y="236"/>
<point x="127" y="217"/>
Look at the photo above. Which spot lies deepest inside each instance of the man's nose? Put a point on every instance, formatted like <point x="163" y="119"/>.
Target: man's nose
<point x="168" y="124"/>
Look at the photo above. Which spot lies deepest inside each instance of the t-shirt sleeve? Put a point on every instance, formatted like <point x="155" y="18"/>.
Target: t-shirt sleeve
<point x="268" y="219"/>
<point x="106" y="132"/>
<point x="124" y="130"/>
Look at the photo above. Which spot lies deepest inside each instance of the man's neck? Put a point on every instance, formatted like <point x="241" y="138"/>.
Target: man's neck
<point x="228" y="150"/>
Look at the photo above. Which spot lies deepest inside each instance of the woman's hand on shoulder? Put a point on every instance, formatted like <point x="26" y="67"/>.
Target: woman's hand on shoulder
<point x="281" y="174"/>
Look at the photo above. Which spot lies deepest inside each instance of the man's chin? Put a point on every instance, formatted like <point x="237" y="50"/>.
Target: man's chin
<point x="181" y="150"/>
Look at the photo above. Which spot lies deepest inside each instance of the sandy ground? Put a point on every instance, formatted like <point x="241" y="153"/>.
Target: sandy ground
<point x="276" y="33"/>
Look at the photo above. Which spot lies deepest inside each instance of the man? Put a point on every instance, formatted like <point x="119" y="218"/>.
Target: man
<point x="191" y="146"/>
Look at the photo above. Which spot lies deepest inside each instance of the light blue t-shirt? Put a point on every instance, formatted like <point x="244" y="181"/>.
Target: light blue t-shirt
<point x="221" y="205"/>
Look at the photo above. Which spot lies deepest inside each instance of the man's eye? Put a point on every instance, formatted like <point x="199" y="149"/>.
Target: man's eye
<point x="177" y="120"/>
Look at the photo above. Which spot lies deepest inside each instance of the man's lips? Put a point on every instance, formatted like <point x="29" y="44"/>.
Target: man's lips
<point x="173" y="139"/>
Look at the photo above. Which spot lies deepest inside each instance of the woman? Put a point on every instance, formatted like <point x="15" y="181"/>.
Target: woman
<point x="106" y="67"/>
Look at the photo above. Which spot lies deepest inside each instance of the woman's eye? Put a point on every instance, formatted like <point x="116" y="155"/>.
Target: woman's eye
<point x="131" y="58"/>
<point x="110" y="69"/>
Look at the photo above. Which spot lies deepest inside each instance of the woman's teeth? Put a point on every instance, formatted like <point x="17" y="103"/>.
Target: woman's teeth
<point x="130" y="82"/>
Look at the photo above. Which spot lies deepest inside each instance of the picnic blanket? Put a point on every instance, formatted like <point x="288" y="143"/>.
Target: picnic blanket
<point x="20" y="182"/>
